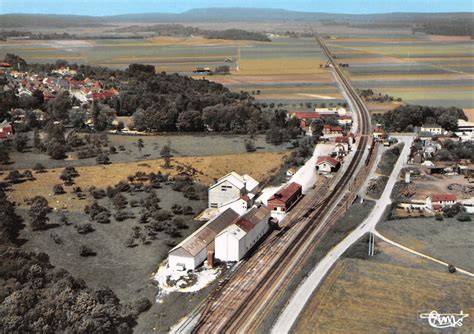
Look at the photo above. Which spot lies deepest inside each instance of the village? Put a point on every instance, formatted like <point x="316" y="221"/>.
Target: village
<point x="240" y="212"/>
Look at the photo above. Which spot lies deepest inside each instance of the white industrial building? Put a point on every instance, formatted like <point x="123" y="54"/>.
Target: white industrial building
<point x="192" y="251"/>
<point x="231" y="187"/>
<point x="236" y="240"/>
<point x="434" y="129"/>
<point x="239" y="205"/>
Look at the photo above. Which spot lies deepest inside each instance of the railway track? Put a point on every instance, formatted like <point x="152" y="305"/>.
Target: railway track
<point x="239" y="303"/>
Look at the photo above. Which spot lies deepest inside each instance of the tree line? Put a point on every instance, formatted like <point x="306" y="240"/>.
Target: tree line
<point x="406" y="117"/>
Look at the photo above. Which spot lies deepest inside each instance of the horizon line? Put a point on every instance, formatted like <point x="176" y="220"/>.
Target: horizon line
<point x="256" y="8"/>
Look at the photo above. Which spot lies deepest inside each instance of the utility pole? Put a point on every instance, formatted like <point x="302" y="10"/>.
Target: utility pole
<point x="371" y="244"/>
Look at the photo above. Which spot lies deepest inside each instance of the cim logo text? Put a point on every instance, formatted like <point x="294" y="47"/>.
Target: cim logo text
<point x="439" y="320"/>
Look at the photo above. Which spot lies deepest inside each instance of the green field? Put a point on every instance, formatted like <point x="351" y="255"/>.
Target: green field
<point x="431" y="72"/>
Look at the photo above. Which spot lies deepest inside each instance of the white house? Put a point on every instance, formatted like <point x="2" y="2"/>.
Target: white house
<point x="336" y="111"/>
<point x="465" y="130"/>
<point x="434" y="129"/>
<point x="231" y="187"/>
<point x="192" y="251"/>
<point x="236" y="240"/>
<point x="439" y="201"/>
<point x="327" y="165"/>
<point x="468" y="205"/>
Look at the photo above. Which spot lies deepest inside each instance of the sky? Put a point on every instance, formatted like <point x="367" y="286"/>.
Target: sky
<point x="115" y="7"/>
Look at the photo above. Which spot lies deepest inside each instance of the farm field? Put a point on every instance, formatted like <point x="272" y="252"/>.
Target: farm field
<point x="420" y="69"/>
<point x="449" y="240"/>
<point x="260" y="166"/>
<point x="362" y="296"/>
<point x="269" y="67"/>
<point x="182" y="145"/>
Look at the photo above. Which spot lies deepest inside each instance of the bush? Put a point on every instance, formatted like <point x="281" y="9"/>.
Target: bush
<point x="120" y="201"/>
<point x="94" y="209"/>
<point x="98" y="193"/>
<point x="173" y="233"/>
<point x="84" y="228"/>
<point x="85" y="251"/>
<point x="141" y="305"/>
<point x="453" y="210"/>
<point x="58" y="189"/>
<point x="102" y="218"/>
<point x="123" y="215"/>
<point x="130" y="242"/>
<point x="451" y="269"/>
<point x="187" y="210"/>
<point x="162" y="215"/>
<point x="439" y="217"/>
<point x="103" y="159"/>
<point x="39" y="168"/>
<point x="56" y="150"/>
<point x="180" y="225"/>
<point x="463" y="217"/>
<point x="177" y="209"/>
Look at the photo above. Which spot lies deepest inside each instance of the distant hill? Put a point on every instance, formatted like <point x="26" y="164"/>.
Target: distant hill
<point x="54" y="21"/>
<point x="411" y="20"/>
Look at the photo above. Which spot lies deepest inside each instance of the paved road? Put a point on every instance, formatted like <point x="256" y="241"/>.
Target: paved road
<point x="304" y="292"/>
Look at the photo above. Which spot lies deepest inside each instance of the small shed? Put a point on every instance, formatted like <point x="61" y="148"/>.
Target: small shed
<point x="327" y="164"/>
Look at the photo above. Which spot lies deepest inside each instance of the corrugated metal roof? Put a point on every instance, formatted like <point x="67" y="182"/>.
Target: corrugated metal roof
<point x="197" y="241"/>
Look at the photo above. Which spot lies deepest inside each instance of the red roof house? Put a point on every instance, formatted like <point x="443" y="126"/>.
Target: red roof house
<point x="305" y="115"/>
<point x="440" y="198"/>
<point x="6" y="130"/>
<point x="332" y="129"/>
<point x="284" y="199"/>
<point x="438" y="201"/>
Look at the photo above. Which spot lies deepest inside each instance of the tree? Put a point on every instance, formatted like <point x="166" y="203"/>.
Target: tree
<point x="77" y="118"/>
<point x="38" y="212"/>
<point x="20" y="142"/>
<point x="10" y="222"/>
<point x="39" y="168"/>
<point x="68" y="174"/>
<point x="120" y="201"/>
<point x="166" y="154"/>
<point x="103" y="159"/>
<point x="58" y="189"/>
<point x="463" y="217"/>
<point x="56" y="132"/>
<point x="4" y="157"/>
<point x="56" y="150"/>
<point x="58" y="108"/>
<point x="14" y="176"/>
<point x="250" y="145"/>
<point x="140" y="144"/>
<point x="16" y="61"/>
<point x="190" y="121"/>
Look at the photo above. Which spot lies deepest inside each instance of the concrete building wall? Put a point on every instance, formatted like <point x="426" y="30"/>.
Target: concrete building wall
<point x="182" y="258"/>
<point x="223" y="193"/>
<point x="221" y="247"/>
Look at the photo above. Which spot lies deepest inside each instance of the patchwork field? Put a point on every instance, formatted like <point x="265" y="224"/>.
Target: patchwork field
<point x="362" y="296"/>
<point x="286" y="69"/>
<point x="260" y="165"/>
<point x="429" y="70"/>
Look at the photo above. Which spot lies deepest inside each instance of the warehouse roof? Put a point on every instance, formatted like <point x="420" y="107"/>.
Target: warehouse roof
<point x="199" y="240"/>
